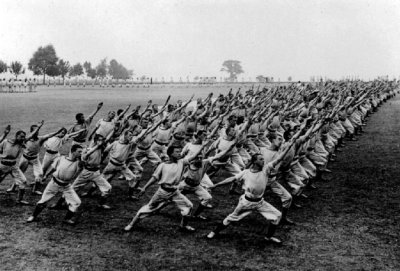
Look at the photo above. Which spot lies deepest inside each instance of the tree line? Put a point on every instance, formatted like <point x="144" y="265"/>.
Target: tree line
<point x="46" y="62"/>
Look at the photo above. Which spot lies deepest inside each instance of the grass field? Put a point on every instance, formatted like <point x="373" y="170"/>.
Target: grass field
<point x="349" y="223"/>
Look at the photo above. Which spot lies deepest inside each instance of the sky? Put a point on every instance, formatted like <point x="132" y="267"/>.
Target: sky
<point x="180" y="38"/>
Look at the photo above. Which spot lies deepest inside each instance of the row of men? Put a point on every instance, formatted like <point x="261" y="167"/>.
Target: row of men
<point x="18" y="85"/>
<point x="277" y="139"/>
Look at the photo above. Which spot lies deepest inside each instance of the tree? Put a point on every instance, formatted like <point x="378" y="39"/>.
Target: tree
<point x="87" y="66"/>
<point x="42" y="59"/>
<point x="3" y="66"/>
<point x="101" y="69"/>
<point x="90" y="72"/>
<point x="76" y="70"/>
<point x="117" y="70"/>
<point x="16" y="68"/>
<point x="233" y="67"/>
<point x="53" y="71"/>
<point x="63" y="68"/>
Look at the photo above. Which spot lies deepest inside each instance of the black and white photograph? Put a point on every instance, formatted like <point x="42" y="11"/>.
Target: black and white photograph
<point x="199" y="135"/>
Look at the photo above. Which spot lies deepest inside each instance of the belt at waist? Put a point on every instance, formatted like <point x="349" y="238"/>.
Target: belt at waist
<point x="143" y="149"/>
<point x="51" y="152"/>
<point x="8" y="163"/>
<point x="252" y="200"/>
<point x="27" y="157"/>
<point x="168" y="188"/>
<point x="115" y="163"/>
<point x="178" y="137"/>
<point x="191" y="182"/>
<point x="59" y="182"/>
<point x="160" y="143"/>
<point x="92" y="168"/>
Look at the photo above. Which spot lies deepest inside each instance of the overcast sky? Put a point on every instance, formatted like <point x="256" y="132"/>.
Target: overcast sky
<point x="193" y="37"/>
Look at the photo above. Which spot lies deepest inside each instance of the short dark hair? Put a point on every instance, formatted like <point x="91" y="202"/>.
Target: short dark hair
<point x="272" y="136"/>
<point x="165" y="121"/>
<point x="127" y="132"/>
<point x="253" y="159"/>
<point x="172" y="148"/>
<point x="75" y="147"/>
<point x="232" y="117"/>
<point x="199" y="133"/>
<point x="78" y="116"/>
<point x="33" y="127"/>
<point x="20" y="132"/>
<point x="229" y="128"/>
<point x="97" y="137"/>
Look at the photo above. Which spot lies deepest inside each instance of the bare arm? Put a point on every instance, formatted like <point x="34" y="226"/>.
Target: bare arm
<point x="122" y="113"/>
<point x="191" y="158"/>
<point x="147" y="185"/>
<point x="75" y="133"/>
<point x="93" y="132"/>
<point x="51" y="171"/>
<point x="214" y="131"/>
<point x="92" y="150"/>
<point x="99" y="106"/>
<point x="183" y="106"/>
<point x="45" y="137"/>
<point x="282" y="155"/>
<point x="226" y="181"/>
<point x="5" y="133"/>
<point x="35" y="132"/>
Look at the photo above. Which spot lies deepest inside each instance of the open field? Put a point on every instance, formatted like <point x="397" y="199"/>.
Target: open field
<point x="349" y="223"/>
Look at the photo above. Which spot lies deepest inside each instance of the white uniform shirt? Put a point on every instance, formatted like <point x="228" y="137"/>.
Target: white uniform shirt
<point x="170" y="173"/>
<point x="66" y="170"/>
<point x="54" y="143"/>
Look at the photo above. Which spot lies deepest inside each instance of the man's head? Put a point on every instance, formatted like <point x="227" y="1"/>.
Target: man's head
<point x="276" y="139"/>
<point x="76" y="151"/>
<point x="62" y="133"/>
<point x="136" y="129"/>
<point x="174" y="152"/>
<point x="232" y="120"/>
<point x="166" y="123"/>
<point x="127" y="136"/>
<point x="33" y="128"/>
<point x="230" y="132"/>
<point x="19" y="137"/>
<point x="119" y="111"/>
<point x="111" y="115"/>
<point x="240" y="120"/>
<point x="200" y="135"/>
<point x="154" y="107"/>
<point x="80" y="118"/>
<point x="144" y="123"/>
<point x="99" y="139"/>
<point x="257" y="160"/>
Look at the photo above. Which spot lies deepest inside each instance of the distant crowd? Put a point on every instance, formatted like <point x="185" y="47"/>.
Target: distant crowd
<point x="18" y="85"/>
